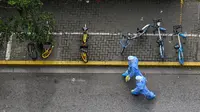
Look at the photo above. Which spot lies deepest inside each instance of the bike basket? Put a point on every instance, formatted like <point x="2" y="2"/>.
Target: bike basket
<point x="124" y="42"/>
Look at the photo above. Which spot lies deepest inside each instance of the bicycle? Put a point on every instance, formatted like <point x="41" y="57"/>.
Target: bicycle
<point x="157" y="27"/>
<point x="179" y="46"/>
<point x="84" y="46"/>
<point x="142" y="31"/>
<point x="47" y="50"/>
<point x="125" y="39"/>
<point x="32" y="51"/>
<point x="47" y="46"/>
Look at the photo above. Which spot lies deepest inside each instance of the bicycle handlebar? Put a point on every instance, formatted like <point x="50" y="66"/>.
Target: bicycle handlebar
<point x="157" y="20"/>
<point x="177" y="26"/>
<point x="128" y="37"/>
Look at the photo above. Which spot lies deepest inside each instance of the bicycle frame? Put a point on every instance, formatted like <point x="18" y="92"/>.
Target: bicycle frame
<point x="157" y="26"/>
<point x="141" y="32"/>
<point x="180" y="47"/>
<point x="85" y="35"/>
<point x="180" y="51"/>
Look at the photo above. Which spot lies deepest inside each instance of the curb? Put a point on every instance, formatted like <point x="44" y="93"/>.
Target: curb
<point x="97" y="63"/>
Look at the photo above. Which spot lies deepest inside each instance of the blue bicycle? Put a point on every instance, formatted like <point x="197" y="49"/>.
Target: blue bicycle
<point x="157" y="27"/>
<point x="179" y="46"/>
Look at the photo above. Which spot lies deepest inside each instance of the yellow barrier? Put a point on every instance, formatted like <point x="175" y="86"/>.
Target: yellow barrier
<point x="96" y="63"/>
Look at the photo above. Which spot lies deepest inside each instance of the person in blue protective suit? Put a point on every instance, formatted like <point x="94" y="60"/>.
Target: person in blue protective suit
<point x="133" y="69"/>
<point x="141" y="88"/>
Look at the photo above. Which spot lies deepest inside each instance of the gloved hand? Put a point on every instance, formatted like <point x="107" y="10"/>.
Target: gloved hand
<point x="127" y="78"/>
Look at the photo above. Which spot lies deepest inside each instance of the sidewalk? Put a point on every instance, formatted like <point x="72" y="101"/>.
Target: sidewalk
<point x="116" y="17"/>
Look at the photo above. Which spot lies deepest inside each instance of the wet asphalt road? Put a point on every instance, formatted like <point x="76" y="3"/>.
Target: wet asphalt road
<point x="96" y="93"/>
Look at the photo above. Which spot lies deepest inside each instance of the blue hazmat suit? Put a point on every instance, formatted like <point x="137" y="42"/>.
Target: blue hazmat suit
<point x="141" y="88"/>
<point x="133" y="69"/>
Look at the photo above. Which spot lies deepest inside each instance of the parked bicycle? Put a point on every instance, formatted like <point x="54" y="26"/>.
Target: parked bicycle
<point x="179" y="46"/>
<point x="47" y="47"/>
<point x="125" y="39"/>
<point x="84" y="46"/>
<point x="47" y="50"/>
<point x="32" y="51"/>
<point x="141" y="32"/>
<point x="157" y="28"/>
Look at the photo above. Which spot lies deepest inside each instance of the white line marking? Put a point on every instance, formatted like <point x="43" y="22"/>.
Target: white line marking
<point x="115" y="34"/>
<point x="9" y="46"/>
<point x="118" y="34"/>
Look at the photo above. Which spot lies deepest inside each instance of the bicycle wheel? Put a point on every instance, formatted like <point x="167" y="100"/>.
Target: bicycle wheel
<point x="32" y="51"/>
<point x="180" y="56"/>
<point x="162" y="51"/>
<point x="84" y="57"/>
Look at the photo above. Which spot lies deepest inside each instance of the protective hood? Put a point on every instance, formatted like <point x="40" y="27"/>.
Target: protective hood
<point x="133" y="62"/>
